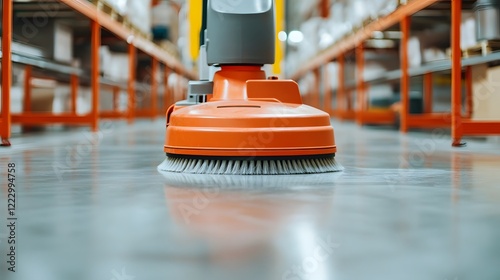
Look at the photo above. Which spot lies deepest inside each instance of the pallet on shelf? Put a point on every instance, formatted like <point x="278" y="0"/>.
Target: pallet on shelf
<point x="127" y="23"/>
<point x="482" y="48"/>
<point x="137" y="31"/>
<point x="170" y="48"/>
<point x="107" y="8"/>
<point x="147" y="36"/>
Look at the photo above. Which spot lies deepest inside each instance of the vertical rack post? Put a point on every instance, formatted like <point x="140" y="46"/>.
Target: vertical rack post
<point x="28" y="72"/>
<point x="74" y="92"/>
<point x="456" y="74"/>
<point x="360" y="87"/>
<point x="5" y="121"/>
<point x="405" y="76"/>
<point x="469" y="91"/>
<point x="96" y="43"/>
<point x="341" y="95"/>
<point x="325" y="8"/>
<point x="132" y="52"/>
<point x="154" y="87"/>
<point x="428" y="93"/>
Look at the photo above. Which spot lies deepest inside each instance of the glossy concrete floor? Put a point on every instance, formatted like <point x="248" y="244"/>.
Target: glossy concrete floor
<point x="93" y="206"/>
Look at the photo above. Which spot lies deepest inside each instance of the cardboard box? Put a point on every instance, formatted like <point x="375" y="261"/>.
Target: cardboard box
<point x="42" y="94"/>
<point x="486" y="92"/>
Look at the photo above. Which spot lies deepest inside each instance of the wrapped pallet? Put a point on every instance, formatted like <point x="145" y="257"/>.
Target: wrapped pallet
<point x="139" y="14"/>
<point x="385" y="7"/>
<point x="119" y="5"/>
<point x="165" y="22"/>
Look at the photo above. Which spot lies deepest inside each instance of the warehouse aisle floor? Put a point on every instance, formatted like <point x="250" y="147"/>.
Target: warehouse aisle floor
<point x="93" y="206"/>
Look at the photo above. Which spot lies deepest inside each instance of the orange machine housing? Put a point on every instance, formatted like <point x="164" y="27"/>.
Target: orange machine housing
<point x="249" y="115"/>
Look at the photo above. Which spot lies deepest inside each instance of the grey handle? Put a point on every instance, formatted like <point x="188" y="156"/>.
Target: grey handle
<point x="240" y="32"/>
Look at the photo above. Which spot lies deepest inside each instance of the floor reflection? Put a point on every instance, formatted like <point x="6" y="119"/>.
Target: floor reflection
<point x="406" y="207"/>
<point x="244" y="219"/>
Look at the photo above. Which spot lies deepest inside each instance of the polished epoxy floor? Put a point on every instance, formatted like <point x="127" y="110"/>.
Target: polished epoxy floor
<point x="94" y="207"/>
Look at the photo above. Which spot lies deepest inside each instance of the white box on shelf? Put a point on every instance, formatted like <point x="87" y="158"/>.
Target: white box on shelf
<point x="62" y="98"/>
<point x="358" y="12"/>
<point x="415" y="59"/>
<point x="16" y="98"/>
<point x="139" y="14"/>
<point x="386" y="7"/>
<point x="114" y="66"/>
<point x="120" y="6"/>
<point x="54" y="39"/>
<point x="333" y="73"/>
<point x="468" y="30"/>
<point x="434" y="54"/>
<point x="63" y="42"/>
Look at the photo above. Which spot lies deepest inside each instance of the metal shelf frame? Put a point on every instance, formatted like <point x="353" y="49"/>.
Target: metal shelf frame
<point x="98" y="20"/>
<point x="6" y="119"/>
<point x="362" y="35"/>
<point x="461" y="124"/>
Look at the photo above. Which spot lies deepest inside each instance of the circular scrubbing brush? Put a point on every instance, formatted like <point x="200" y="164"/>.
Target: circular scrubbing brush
<point x="250" y="125"/>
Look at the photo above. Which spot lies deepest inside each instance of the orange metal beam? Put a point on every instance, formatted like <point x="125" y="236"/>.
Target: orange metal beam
<point x="361" y="35"/>
<point x="154" y="87"/>
<point x="456" y="74"/>
<point x="132" y="54"/>
<point x="90" y="11"/>
<point x="144" y="113"/>
<point x="116" y="96"/>
<point x="405" y="76"/>
<point x="95" y="44"/>
<point x="429" y="121"/>
<point x="113" y="115"/>
<point x="428" y="92"/>
<point x="479" y="128"/>
<point x="74" y="92"/>
<point x="6" y="71"/>
<point x="324" y="8"/>
<point x="45" y="118"/>
<point x="468" y="93"/>
<point x="376" y="117"/>
<point x="28" y="73"/>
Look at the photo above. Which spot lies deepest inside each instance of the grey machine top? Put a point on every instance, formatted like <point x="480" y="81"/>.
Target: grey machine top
<point x="240" y="32"/>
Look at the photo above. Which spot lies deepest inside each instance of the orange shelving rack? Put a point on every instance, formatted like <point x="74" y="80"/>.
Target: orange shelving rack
<point x="5" y="119"/>
<point x="464" y="125"/>
<point x="99" y="20"/>
<point x="460" y="123"/>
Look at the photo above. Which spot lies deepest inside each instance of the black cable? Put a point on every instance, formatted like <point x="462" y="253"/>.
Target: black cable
<point x="203" y="23"/>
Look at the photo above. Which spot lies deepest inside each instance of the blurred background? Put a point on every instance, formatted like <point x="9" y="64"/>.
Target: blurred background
<point x="84" y="90"/>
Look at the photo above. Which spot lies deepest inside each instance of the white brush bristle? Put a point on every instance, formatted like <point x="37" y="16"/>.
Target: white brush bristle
<point x="250" y="167"/>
